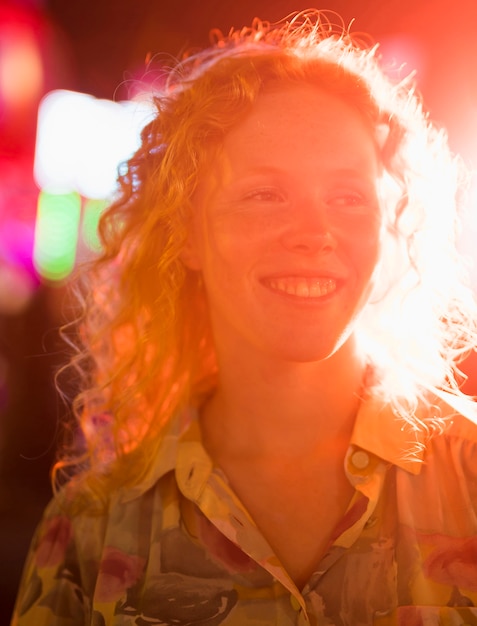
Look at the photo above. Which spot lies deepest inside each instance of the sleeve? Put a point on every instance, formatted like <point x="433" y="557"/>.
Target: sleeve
<point x="51" y="591"/>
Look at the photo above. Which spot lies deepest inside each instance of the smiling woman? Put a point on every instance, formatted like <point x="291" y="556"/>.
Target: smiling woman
<point x="270" y="428"/>
<point x="287" y="238"/>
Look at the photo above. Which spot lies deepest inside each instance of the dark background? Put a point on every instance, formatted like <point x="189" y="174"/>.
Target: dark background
<point x="98" y="47"/>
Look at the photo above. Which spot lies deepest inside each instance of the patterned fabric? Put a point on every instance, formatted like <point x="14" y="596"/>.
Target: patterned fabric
<point x="180" y="549"/>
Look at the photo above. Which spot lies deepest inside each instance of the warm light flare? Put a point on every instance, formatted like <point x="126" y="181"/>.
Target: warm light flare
<point x="21" y="68"/>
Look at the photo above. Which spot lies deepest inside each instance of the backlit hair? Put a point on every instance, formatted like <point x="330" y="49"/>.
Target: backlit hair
<point x="145" y="345"/>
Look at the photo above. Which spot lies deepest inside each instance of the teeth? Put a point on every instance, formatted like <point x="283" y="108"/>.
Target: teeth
<point x="303" y="287"/>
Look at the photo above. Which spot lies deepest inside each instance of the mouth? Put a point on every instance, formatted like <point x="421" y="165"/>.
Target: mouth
<point x="303" y="287"/>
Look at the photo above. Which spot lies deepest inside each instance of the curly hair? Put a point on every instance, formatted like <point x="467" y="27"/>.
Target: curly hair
<point x="145" y="348"/>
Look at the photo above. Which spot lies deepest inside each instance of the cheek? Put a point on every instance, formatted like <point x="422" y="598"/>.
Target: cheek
<point x="233" y="239"/>
<point x="364" y="247"/>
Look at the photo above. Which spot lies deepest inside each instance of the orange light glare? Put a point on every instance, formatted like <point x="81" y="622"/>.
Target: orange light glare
<point x="21" y="69"/>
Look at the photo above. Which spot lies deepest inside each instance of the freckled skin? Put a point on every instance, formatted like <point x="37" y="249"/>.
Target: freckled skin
<point x="291" y="201"/>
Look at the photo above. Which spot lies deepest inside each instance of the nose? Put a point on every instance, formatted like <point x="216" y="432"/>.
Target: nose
<point x="309" y="231"/>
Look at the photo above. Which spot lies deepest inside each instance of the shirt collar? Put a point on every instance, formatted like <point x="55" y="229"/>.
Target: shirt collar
<point x="392" y="438"/>
<point x="166" y="455"/>
<point x="377" y="430"/>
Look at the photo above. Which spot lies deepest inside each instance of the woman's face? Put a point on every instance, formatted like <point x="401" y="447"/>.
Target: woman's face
<point x="287" y="228"/>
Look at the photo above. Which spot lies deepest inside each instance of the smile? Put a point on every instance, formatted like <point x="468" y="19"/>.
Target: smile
<point x="303" y="287"/>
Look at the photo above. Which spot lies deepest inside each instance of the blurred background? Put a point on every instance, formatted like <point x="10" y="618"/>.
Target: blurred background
<point x="69" y="111"/>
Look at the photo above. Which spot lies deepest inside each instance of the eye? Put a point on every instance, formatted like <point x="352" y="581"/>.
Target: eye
<point x="352" y="202"/>
<point x="267" y="195"/>
<point x="347" y="199"/>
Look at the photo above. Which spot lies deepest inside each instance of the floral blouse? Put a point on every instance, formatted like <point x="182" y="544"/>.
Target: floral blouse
<point x="181" y="550"/>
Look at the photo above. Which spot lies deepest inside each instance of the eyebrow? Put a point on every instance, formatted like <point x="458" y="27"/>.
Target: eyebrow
<point x="345" y="172"/>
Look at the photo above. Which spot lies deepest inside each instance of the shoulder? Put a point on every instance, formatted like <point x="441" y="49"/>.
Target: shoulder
<point x="65" y="529"/>
<point x="458" y="415"/>
<point x="441" y="497"/>
<point x="451" y="447"/>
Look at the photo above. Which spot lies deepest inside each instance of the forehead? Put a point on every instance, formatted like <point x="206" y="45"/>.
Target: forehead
<point x="299" y="120"/>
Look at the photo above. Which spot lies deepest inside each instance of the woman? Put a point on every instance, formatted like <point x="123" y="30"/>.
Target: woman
<point x="270" y="429"/>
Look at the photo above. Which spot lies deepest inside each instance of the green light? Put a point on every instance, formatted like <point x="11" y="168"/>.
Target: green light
<point x="56" y="234"/>
<point x="91" y="215"/>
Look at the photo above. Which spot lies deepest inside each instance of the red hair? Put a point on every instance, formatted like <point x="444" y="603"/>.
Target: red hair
<point x="146" y="350"/>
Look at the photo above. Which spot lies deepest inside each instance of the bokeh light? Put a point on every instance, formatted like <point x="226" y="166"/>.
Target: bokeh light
<point x="21" y="68"/>
<point x="89" y="230"/>
<point x="81" y="140"/>
<point x="56" y="234"/>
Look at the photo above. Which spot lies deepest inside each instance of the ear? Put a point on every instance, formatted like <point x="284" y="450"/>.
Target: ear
<point x="189" y="254"/>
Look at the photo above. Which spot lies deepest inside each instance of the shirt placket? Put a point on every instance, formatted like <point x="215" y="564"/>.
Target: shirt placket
<point x="210" y="491"/>
<point x="367" y="474"/>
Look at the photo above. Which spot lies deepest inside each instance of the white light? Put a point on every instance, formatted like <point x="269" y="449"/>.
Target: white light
<point x="81" y="141"/>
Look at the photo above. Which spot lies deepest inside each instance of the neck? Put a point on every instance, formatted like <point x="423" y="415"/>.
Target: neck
<point x="265" y="407"/>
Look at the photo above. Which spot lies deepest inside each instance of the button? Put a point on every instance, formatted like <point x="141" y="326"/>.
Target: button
<point x="360" y="459"/>
<point x="296" y="606"/>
